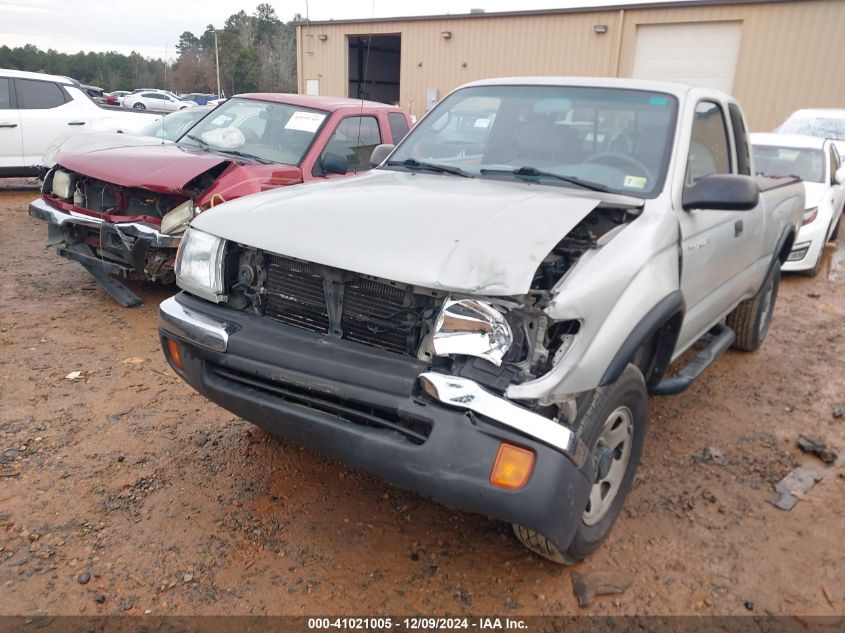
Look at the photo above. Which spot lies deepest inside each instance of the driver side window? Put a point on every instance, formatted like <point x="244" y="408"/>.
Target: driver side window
<point x="709" y="151"/>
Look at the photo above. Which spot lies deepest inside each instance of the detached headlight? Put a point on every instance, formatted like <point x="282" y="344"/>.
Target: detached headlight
<point x="199" y="265"/>
<point x="810" y="215"/>
<point x="178" y="218"/>
<point x="472" y="328"/>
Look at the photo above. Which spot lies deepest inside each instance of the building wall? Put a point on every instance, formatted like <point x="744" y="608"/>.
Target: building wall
<point x="789" y="57"/>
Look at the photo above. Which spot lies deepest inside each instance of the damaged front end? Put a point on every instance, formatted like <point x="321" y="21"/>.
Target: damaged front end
<point x="118" y="231"/>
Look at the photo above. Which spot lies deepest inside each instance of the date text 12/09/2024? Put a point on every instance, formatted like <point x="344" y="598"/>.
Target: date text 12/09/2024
<point x="417" y="624"/>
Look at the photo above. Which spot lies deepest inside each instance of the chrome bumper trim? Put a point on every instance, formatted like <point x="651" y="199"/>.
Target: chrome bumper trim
<point x="41" y="210"/>
<point x="175" y="319"/>
<point x="467" y="394"/>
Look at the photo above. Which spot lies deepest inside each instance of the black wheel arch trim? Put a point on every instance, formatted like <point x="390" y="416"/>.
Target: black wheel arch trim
<point x="666" y="315"/>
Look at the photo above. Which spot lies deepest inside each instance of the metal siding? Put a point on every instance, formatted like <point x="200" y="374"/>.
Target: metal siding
<point x="787" y="58"/>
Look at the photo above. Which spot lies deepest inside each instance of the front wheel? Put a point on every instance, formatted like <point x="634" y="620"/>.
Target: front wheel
<point x="139" y="106"/>
<point x="613" y="429"/>
<point x="750" y="320"/>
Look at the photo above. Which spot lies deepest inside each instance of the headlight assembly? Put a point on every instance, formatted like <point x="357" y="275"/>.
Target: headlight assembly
<point x="472" y="328"/>
<point x="810" y="215"/>
<point x="199" y="265"/>
<point x="178" y="218"/>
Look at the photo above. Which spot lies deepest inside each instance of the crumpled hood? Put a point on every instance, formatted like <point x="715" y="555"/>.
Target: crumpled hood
<point x="137" y="162"/>
<point x="436" y="231"/>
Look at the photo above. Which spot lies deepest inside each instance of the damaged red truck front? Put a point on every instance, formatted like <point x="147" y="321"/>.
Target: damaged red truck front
<point x="119" y="204"/>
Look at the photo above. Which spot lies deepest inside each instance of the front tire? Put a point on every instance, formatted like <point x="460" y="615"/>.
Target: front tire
<point x="750" y="320"/>
<point x="613" y="429"/>
<point x="139" y="106"/>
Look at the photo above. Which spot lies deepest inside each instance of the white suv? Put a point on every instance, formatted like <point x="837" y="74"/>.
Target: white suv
<point x="36" y="109"/>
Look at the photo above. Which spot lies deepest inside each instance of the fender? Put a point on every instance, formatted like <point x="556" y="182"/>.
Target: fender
<point x="784" y="245"/>
<point x="668" y="311"/>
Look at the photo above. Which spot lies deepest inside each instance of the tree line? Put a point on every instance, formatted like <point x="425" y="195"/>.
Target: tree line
<point x="257" y="54"/>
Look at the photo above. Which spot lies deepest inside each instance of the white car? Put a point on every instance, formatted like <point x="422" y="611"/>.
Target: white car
<point x="816" y="161"/>
<point x="821" y="122"/>
<point x="156" y="100"/>
<point x="37" y="109"/>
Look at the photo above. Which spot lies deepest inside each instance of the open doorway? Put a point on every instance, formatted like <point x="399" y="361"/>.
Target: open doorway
<point x="374" y="74"/>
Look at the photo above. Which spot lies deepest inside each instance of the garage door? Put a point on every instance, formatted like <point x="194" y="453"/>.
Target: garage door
<point x="702" y="54"/>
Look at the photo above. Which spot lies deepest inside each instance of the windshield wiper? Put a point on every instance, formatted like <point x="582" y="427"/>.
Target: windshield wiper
<point x="244" y="154"/>
<point x="413" y="163"/>
<point x="198" y="140"/>
<point x="533" y="173"/>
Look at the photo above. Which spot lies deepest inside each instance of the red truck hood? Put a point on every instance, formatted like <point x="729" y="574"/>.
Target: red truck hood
<point x="167" y="167"/>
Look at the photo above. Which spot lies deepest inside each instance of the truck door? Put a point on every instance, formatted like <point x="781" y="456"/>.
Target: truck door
<point x="11" y="153"/>
<point x="47" y="110"/>
<point x="717" y="246"/>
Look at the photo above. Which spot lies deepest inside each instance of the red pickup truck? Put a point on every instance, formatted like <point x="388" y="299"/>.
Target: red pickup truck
<point x="118" y="205"/>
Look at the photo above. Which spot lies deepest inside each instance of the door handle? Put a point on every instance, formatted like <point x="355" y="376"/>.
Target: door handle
<point x="737" y="228"/>
<point x="8" y="125"/>
<point x="76" y="123"/>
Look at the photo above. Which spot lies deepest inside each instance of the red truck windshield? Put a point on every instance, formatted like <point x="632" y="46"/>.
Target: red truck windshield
<point x="271" y="132"/>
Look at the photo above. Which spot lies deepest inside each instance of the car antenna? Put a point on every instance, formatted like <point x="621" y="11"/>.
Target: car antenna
<point x="364" y="71"/>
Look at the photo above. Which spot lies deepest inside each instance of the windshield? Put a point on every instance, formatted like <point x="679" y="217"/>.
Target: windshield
<point x="607" y="139"/>
<point x="832" y="128"/>
<point x="272" y="132"/>
<point x="807" y="164"/>
<point x="174" y="125"/>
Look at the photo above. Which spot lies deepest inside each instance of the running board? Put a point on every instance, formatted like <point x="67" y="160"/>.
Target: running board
<point x="723" y="338"/>
<point x="99" y="270"/>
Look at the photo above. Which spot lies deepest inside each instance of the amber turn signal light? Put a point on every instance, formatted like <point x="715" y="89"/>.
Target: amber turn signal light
<point x="512" y="467"/>
<point x="173" y="352"/>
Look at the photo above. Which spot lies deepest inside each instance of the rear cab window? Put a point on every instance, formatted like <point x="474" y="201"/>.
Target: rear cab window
<point x="398" y="126"/>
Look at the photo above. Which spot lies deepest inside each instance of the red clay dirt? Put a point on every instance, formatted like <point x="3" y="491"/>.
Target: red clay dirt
<point x="174" y="506"/>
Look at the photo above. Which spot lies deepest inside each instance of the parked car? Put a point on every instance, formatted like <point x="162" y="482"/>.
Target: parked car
<point x="174" y="125"/>
<point x="158" y="100"/>
<point x="816" y="161"/>
<point x="37" y="109"/>
<point x="97" y="94"/>
<point x="481" y="318"/>
<point x="199" y="98"/>
<point x="821" y="122"/>
<point x="121" y="206"/>
<point x="119" y="94"/>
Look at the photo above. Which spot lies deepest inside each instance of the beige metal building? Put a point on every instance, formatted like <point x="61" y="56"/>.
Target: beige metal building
<point x="774" y="55"/>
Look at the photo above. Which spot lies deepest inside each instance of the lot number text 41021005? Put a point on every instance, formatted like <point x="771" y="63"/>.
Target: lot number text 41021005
<point x="418" y="624"/>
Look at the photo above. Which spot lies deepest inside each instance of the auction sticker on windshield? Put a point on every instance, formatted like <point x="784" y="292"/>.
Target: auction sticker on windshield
<point x="305" y="121"/>
<point x="635" y="182"/>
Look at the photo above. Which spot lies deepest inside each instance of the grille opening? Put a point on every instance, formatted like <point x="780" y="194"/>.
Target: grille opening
<point x="413" y="430"/>
<point x="387" y="316"/>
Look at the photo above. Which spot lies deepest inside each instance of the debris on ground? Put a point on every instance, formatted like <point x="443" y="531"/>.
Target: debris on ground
<point x="798" y="482"/>
<point x="75" y="375"/>
<point x="83" y="578"/>
<point x="711" y="454"/>
<point x="598" y="583"/>
<point x="817" y="448"/>
<point x="838" y="411"/>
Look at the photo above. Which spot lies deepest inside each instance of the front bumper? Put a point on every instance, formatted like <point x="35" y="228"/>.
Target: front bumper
<point x="365" y="407"/>
<point x="808" y="246"/>
<point x="122" y="248"/>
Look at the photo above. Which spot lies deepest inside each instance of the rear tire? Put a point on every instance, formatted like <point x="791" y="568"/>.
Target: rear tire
<point x="613" y="429"/>
<point x="750" y="320"/>
<point x="139" y="106"/>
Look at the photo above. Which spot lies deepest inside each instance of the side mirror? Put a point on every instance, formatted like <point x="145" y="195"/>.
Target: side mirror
<point x="723" y="192"/>
<point x="380" y="153"/>
<point x="839" y="176"/>
<point x="333" y="163"/>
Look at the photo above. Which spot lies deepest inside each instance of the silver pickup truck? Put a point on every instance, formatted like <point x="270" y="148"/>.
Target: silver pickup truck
<point x="482" y="318"/>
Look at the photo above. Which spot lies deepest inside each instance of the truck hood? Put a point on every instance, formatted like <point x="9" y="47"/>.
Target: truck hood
<point x="475" y="236"/>
<point x="164" y="167"/>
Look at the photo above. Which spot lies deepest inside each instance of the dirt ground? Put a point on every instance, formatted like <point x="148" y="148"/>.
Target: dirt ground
<point x="167" y="504"/>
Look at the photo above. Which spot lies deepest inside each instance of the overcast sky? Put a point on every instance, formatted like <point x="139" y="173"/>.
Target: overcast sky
<point x="148" y="26"/>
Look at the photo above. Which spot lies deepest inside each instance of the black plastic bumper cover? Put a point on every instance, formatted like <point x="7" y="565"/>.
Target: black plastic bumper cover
<point x="453" y="463"/>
